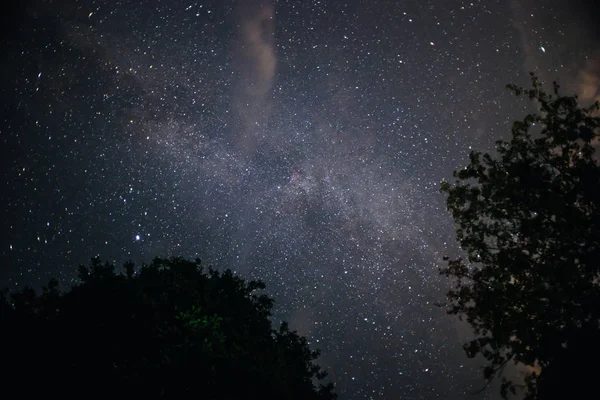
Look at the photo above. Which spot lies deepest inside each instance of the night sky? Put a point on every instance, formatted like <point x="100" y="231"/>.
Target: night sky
<point x="298" y="142"/>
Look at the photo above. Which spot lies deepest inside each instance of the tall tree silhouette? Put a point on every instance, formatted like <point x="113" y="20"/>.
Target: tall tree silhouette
<point x="528" y="219"/>
<point x="171" y="330"/>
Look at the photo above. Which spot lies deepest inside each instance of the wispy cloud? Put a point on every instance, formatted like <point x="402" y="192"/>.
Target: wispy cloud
<point x="255" y="62"/>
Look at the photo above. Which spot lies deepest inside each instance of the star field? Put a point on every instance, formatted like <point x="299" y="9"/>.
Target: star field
<point x="298" y="142"/>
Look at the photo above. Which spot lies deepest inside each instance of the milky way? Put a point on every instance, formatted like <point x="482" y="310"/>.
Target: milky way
<point x="297" y="142"/>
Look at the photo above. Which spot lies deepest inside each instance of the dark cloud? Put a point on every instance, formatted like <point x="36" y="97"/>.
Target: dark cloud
<point x="584" y="15"/>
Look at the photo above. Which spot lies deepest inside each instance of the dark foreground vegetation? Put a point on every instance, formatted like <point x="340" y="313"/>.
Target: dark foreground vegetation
<point x="170" y="330"/>
<point x="528" y="219"/>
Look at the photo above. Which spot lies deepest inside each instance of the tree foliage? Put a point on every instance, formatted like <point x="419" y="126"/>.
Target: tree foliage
<point x="172" y="330"/>
<point x="528" y="219"/>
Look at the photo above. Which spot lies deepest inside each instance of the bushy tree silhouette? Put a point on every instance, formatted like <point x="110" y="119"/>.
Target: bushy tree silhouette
<point x="171" y="330"/>
<point x="528" y="219"/>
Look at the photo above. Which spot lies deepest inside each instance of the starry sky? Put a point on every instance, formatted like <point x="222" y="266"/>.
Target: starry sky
<point x="297" y="142"/>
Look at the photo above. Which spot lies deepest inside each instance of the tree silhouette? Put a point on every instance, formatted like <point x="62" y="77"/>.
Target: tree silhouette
<point x="528" y="219"/>
<point x="171" y="330"/>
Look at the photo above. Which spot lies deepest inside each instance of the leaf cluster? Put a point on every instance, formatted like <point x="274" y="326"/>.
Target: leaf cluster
<point x="528" y="219"/>
<point x="171" y="329"/>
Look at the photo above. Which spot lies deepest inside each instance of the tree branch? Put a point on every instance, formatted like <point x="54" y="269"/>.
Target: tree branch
<point x="491" y="378"/>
